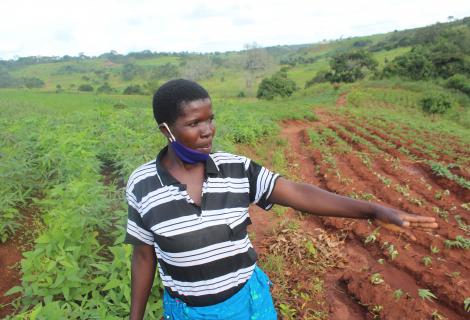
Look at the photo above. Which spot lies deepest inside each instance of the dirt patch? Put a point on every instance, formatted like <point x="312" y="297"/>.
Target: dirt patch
<point x="392" y="179"/>
<point x="11" y="253"/>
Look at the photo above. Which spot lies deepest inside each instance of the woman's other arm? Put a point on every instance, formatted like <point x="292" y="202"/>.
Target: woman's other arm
<point x="143" y="267"/>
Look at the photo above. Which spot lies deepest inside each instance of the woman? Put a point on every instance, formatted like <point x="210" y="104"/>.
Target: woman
<point x="188" y="214"/>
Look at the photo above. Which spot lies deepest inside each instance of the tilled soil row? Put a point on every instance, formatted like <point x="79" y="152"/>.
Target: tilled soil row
<point x="409" y="261"/>
<point x="444" y="182"/>
<point x="326" y="180"/>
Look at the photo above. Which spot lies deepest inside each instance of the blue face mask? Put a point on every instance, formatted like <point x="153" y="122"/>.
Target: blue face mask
<point x="186" y="154"/>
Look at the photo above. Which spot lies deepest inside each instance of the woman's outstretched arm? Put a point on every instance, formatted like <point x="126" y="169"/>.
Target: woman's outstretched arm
<point x="314" y="200"/>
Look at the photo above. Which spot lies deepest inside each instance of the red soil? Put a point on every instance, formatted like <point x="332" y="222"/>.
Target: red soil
<point x="349" y="291"/>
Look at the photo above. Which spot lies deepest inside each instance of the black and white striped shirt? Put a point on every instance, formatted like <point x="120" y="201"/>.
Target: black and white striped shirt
<point x="204" y="255"/>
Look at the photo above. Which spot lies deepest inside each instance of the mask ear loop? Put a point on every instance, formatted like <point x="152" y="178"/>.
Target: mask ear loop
<point x="172" y="137"/>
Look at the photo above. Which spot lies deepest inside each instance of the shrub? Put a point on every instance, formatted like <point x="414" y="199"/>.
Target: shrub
<point x="133" y="89"/>
<point x="277" y="85"/>
<point x="459" y="82"/>
<point x="415" y="65"/>
<point x="436" y="103"/>
<point x="33" y="83"/>
<point x="105" y="88"/>
<point x="85" y="87"/>
<point x="321" y="76"/>
<point x="351" y="66"/>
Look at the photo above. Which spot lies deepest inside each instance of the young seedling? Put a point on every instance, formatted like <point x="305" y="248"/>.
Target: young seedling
<point x="465" y="206"/>
<point x="392" y="252"/>
<point x="462" y="225"/>
<point x="454" y="274"/>
<point x="371" y="238"/>
<point x="381" y="261"/>
<point x="436" y="316"/>
<point x="443" y="214"/>
<point x="397" y="294"/>
<point x="466" y="304"/>
<point x="376" y="310"/>
<point x="460" y="242"/>
<point x="434" y="250"/>
<point x="427" y="260"/>
<point x="376" y="279"/>
<point x="426" y="294"/>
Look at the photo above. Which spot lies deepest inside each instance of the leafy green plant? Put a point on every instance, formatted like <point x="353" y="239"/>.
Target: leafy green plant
<point x="436" y="316"/>
<point x="427" y="260"/>
<point x="287" y="311"/>
<point x="436" y="103"/>
<point x="435" y="250"/>
<point x="460" y="242"/>
<point x="376" y="278"/>
<point x="392" y="252"/>
<point x="397" y="294"/>
<point x="371" y="238"/>
<point x="466" y="304"/>
<point x="277" y="85"/>
<point x="426" y="294"/>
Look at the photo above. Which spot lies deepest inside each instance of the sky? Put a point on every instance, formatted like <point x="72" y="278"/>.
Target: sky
<point x="57" y="28"/>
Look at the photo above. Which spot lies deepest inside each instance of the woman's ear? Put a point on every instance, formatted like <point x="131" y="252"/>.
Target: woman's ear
<point x="165" y="130"/>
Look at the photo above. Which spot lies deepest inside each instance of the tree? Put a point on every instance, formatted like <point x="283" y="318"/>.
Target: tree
<point x="256" y="60"/>
<point x="165" y="71"/>
<point x="277" y="85"/>
<point x="105" y="88"/>
<point x="351" y="66"/>
<point x="415" y="65"/>
<point x="133" y="89"/>
<point x="198" y="68"/>
<point x="33" y="83"/>
<point x="436" y="103"/>
<point x="85" y="88"/>
<point x="129" y="71"/>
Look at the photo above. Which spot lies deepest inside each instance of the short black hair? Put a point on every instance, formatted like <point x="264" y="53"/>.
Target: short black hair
<point x="171" y="97"/>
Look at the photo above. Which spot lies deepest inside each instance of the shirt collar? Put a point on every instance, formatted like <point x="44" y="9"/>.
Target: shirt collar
<point x="167" y="179"/>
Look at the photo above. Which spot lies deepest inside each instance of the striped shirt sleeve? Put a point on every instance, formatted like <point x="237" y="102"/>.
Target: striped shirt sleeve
<point x="262" y="183"/>
<point x="136" y="232"/>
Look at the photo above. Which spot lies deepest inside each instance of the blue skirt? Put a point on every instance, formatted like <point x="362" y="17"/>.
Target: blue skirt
<point x="252" y="302"/>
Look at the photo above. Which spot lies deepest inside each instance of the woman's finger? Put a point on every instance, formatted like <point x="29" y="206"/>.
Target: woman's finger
<point x="414" y="218"/>
<point x="426" y="225"/>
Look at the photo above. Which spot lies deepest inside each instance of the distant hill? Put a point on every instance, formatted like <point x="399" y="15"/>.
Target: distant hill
<point x="238" y="73"/>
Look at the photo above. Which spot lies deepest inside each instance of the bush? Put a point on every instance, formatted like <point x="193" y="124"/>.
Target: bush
<point x="277" y="85"/>
<point x="320" y="77"/>
<point x="85" y="87"/>
<point x="133" y="89"/>
<point x="415" y="65"/>
<point x="105" y="88"/>
<point x="459" y="82"/>
<point x="33" y="83"/>
<point x="436" y="103"/>
<point x="351" y="66"/>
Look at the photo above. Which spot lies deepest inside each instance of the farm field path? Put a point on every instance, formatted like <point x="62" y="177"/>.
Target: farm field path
<point x="11" y="253"/>
<point x="10" y="257"/>
<point x="349" y="291"/>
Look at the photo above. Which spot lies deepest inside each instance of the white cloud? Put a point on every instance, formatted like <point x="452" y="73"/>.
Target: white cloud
<point x="68" y="27"/>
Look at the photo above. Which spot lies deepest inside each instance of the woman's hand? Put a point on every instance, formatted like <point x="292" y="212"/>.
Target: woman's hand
<point x="397" y="220"/>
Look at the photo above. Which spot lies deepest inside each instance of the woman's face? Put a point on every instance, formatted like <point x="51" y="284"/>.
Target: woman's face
<point x="195" y="127"/>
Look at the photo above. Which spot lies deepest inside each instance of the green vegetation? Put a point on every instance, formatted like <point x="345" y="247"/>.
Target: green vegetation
<point x="460" y="242"/>
<point x="426" y="294"/>
<point x="61" y="138"/>
<point x="376" y="279"/>
<point x="277" y="85"/>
